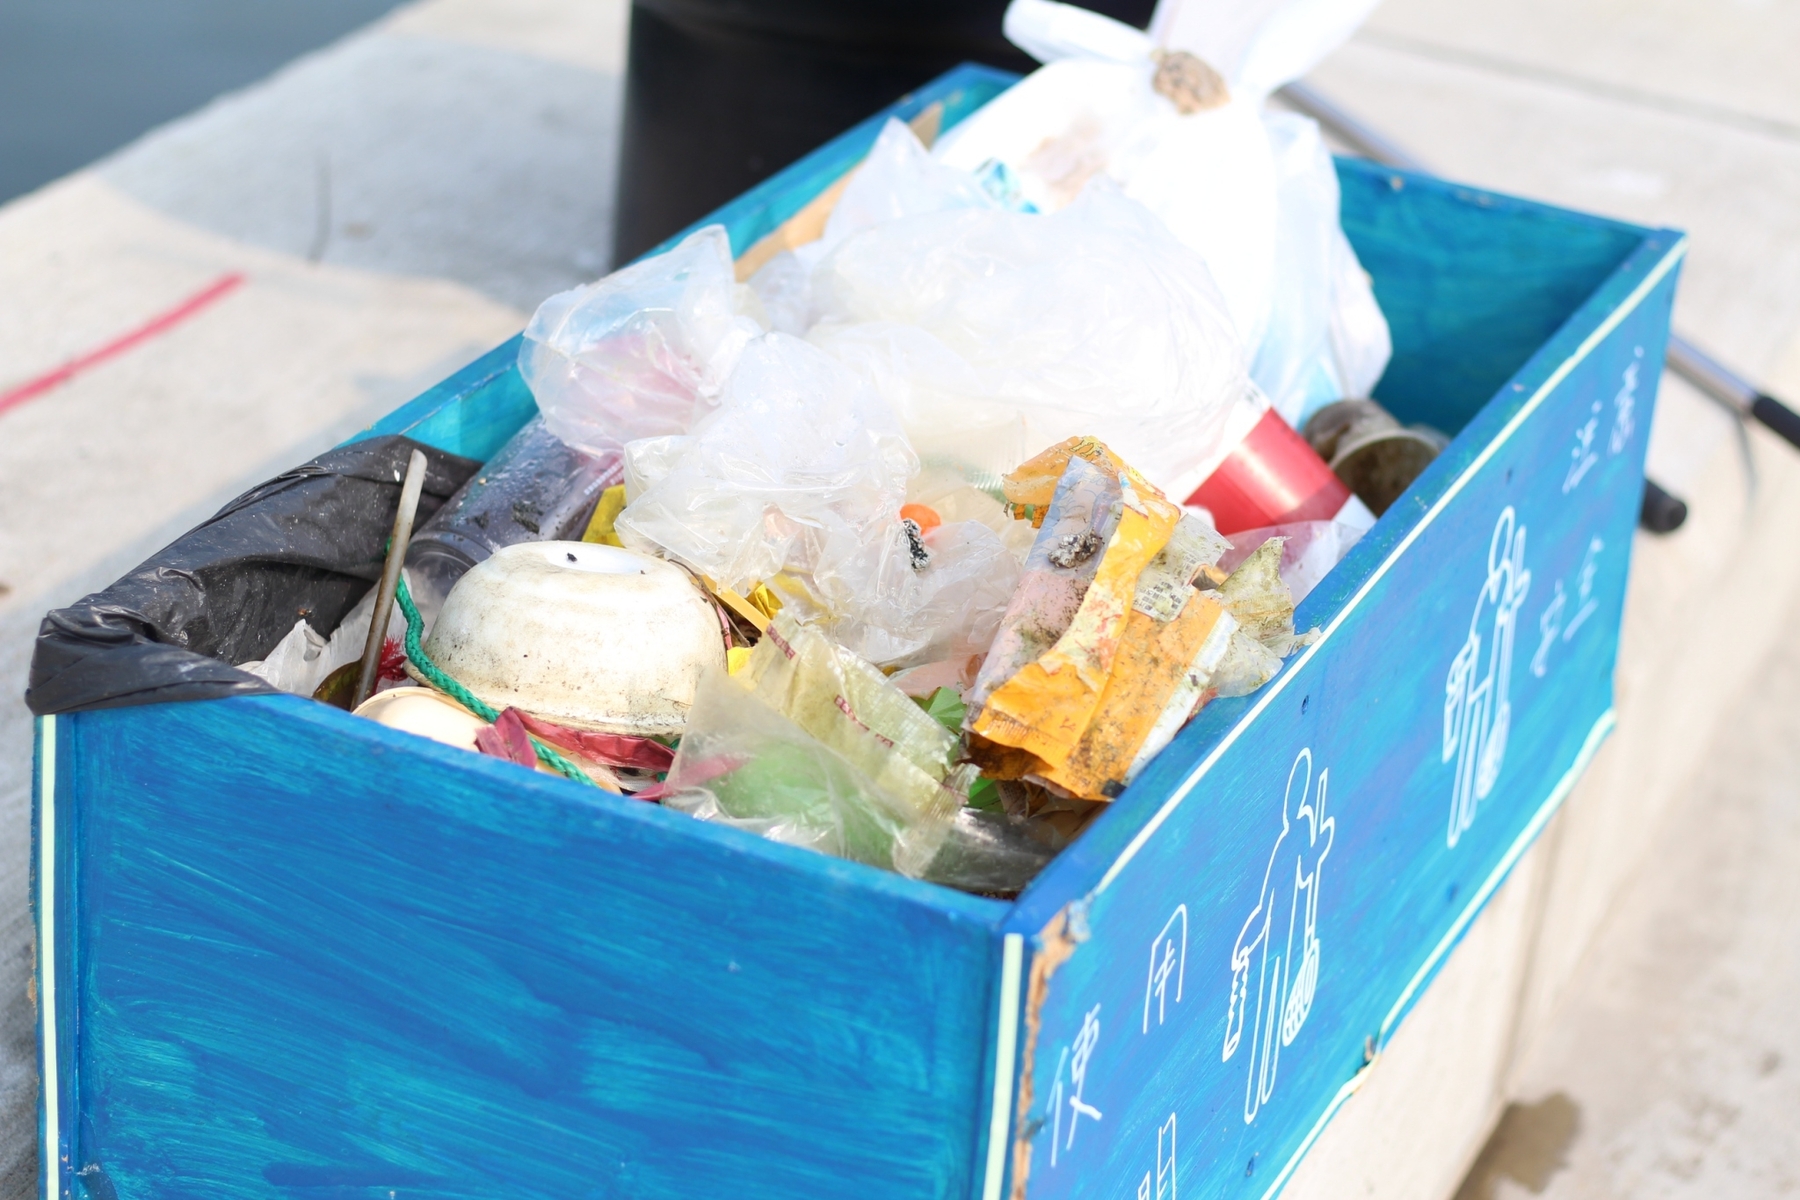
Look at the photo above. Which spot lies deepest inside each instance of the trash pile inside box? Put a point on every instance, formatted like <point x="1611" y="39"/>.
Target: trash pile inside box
<point x="913" y="542"/>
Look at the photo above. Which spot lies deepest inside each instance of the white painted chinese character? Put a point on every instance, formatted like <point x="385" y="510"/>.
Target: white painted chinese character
<point x="1168" y="956"/>
<point x="1585" y="588"/>
<point x="1165" y="1160"/>
<point x="1083" y="1052"/>
<point x="1549" y="626"/>
<point x="1074" y="1059"/>
<point x="1160" y="1185"/>
<point x="1583" y="452"/>
<point x="1624" y="408"/>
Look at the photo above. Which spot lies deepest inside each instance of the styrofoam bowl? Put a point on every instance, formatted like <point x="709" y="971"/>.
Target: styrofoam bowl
<point x="589" y="636"/>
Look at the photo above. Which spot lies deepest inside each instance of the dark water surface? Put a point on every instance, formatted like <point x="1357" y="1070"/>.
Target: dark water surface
<point x="79" y="78"/>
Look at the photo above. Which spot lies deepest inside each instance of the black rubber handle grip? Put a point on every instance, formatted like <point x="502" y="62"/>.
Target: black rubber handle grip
<point x="1661" y="513"/>
<point x="1777" y="416"/>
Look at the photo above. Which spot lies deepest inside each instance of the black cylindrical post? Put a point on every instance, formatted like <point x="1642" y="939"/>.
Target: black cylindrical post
<point x="720" y="94"/>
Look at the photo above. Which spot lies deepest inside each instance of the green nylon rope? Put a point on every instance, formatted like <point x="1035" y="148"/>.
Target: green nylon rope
<point x="439" y="679"/>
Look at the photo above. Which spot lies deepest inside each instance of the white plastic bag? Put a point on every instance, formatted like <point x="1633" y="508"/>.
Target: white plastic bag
<point x="1258" y="45"/>
<point x="1092" y="320"/>
<point x="302" y="659"/>
<point x="1252" y="198"/>
<point x="1326" y="338"/>
<point x="1207" y="175"/>
<point x="643" y="352"/>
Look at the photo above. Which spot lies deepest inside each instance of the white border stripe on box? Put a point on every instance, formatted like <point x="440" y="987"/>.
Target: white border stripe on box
<point x="50" y="1093"/>
<point x="1005" y="1046"/>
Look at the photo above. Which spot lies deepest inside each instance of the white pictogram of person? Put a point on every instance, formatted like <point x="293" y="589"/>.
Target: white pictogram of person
<point x="1273" y="981"/>
<point x="1477" y="690"/>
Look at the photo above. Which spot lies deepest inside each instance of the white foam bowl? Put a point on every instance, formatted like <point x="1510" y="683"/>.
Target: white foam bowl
<point x="589" y="636"/>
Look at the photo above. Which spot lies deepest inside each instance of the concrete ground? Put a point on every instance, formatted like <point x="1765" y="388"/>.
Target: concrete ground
<point x="1672" y="1069"/>
<point x="400" y="201"/>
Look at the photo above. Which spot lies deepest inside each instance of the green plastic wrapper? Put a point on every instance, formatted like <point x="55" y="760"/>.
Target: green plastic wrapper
<point x="812" y="746"/>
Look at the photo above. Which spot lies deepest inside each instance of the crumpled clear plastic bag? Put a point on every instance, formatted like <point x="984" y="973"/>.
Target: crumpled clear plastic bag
<point x="1259" y="600"/>
<point x="800" y="474"/>
<point x="937" y="394"/>
<point x="800" y="454"/>
<point x="898" y="178"/>
<point x="892" y="611"/>
<point x="962" y="495"/>
<point x="1309" y="550"/>
<point x="812" y="746"/>
<point x="1090" y="321"/>
<point x="645" y="351"/>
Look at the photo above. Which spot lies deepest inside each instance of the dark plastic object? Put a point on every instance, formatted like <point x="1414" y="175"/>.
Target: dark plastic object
<point x="534" y="489"/>
<point x="720" y="94"/>
<point x="308" y="543"/>
<point x="1662" y="513"/>
<point x="1777" y="416"/>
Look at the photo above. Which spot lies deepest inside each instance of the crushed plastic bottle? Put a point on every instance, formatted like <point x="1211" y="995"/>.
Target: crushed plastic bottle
<point x="535" y="488"/>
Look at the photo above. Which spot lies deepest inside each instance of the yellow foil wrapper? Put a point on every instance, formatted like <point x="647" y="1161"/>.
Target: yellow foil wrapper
<point x="1045" y="707"/>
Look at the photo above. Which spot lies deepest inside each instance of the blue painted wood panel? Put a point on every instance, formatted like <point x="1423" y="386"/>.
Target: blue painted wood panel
<point x="1255" y="916"/>
<point x="1472" y="283"/>
<point x="290" y="953"/>
<point x="316" y="958"/>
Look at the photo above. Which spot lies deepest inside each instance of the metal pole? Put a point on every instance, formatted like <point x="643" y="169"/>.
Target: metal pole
<point x="1684" y="358"/>
<point x="390" y="576"/>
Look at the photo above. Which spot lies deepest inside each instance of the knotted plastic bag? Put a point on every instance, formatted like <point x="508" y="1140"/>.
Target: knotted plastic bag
<point x="1175" y="118"/>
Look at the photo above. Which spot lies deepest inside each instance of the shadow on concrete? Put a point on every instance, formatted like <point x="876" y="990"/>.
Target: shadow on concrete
<point x="1529" y="1146"/>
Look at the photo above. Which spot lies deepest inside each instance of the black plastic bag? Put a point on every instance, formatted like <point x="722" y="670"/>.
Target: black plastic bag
<point x="308" y="543"/>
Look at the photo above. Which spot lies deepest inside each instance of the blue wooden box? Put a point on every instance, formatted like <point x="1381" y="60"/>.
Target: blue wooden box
<point x="288" y="953"/>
